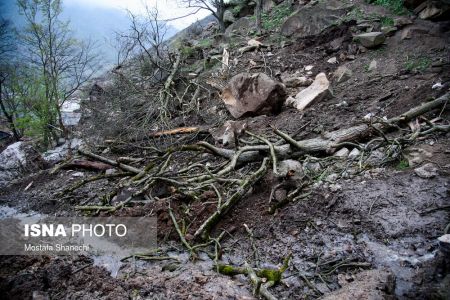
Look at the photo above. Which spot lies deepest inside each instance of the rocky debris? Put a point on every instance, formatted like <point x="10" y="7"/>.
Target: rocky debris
<point x="342" y="74"/>
<point x="332" y="60"/>
<point x="402" y="21"/>
<point x="317" y="91"/>
<point x="371" y="284"/>
<point x="291" y="168"/>
<point x="240" y="27"/>
<point x="389" y="30"/>
<point x="428" y="170"/>
<point x="295" y="80"/>
<point x="251" y="45"/>
<point x="416" y="155"/>
<point x="372" y="66"/>
<point x="312" y="20"/>
<point x="229" y="132"/>
<point x="371" y="39"/>
<point x="228" y="17"/>
<point x="343" y="152"/>
<point x="444" y="243"/>
<point x="253" y="94"/>
<point x="59" y="153"/>
<point x="309" y="68"/>
<point x="15" y="160"/>
<point x="355" y="153"/>
<point x="432" y="9"/>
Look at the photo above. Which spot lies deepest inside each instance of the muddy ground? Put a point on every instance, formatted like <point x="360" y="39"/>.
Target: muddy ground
<point x="370" y="234"/>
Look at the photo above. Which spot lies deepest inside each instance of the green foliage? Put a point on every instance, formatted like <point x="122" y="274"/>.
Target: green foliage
<point x="418" y="64"/>
<point x="187" y="51"/>
<point x="402" y="165"/>
<point x="275" y="18"/>
<point x="387" y="21"/>
<point x="204" y="44"/>
<point x="395" y="6"/>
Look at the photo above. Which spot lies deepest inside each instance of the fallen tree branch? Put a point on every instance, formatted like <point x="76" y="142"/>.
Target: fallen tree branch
<point x="110" y="161"/>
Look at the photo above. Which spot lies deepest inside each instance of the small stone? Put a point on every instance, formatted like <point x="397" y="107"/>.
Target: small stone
<point x="354" y="153"/>
<point x="332" y="177"/>
<point x="343" y="152"/>
<point x="437" y="86"/>
<point x="372" y="65"/>
<point x="110" y="171"/>
<point x="309" y="68"/>
<point x="280" y="194"/>
<point x="428" y="170"/>
<point x="335" y="187"/>
<point x="78" y="174"/>
<point x="332" y="60"/>
<point x="342" y="74"/>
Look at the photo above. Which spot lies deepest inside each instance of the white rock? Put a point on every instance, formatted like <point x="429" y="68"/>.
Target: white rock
<point x="12" y="161"/>
<point x="78" y="174"/>
<point x="254" y="43"/>
<point x="372" y="65"/>
<point x="428" y="170"/>
<point x="332" y="60"/>
<point x="309" y="68"/>
<point x="343" y="152"/>
<point x="354" y="153"/>
<point x="368" y="117"/>
<point x="437" y="86"/>
<point x="317" y="91"/>
<point x="59" y="153"/>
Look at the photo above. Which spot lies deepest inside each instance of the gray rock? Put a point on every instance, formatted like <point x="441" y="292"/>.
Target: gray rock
<point x="314" y="19"/>
<point x="355" y="153"/>
<point x="290" y="166"/>
<point x="295" y="80"/>
<point x="342" y="74"/>
<point x="371" y="39"/>
<point x="343" y="152"/>
<point x="226" y="134"/>
<point x="373" y="65"/>
<point x="428" y="170"/>
<point x="240" y="27"/>
<point x="59" y="153"/>
<point x="228" y="17"/>
<point x="376" y="157"/>
<point x="253" y="94"/>
<point x="12" y="162"/>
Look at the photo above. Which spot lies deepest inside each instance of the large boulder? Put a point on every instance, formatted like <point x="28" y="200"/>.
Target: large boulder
<point x="16" y="160"/>
<point x="371" y="39"/>
<point x="312" y="20"/>
<point x="253" y="94"/>
<point x="240" y="27"/>
<point x="317" y="91"/>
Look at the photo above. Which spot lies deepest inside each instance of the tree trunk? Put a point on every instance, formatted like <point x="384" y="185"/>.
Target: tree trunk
<point x="258" y="12"/>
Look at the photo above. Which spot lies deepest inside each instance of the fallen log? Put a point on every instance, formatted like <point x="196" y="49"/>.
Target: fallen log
<point x="111" y="162"/>
<point x="180" y="130"/>
<point x="87" y="165"/>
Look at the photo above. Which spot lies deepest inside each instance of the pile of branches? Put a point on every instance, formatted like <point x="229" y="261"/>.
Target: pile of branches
<point x="235" y="171"/>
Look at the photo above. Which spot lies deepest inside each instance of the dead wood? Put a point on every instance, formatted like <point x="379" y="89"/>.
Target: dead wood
<point x="111" y="162"/>
<point x="87" y="165"/>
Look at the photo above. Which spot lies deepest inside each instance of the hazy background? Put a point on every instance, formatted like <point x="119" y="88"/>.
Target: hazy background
<point x="99" y="19"/>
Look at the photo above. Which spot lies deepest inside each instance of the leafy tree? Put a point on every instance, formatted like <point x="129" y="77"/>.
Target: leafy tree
<point x="60" y="63"/>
